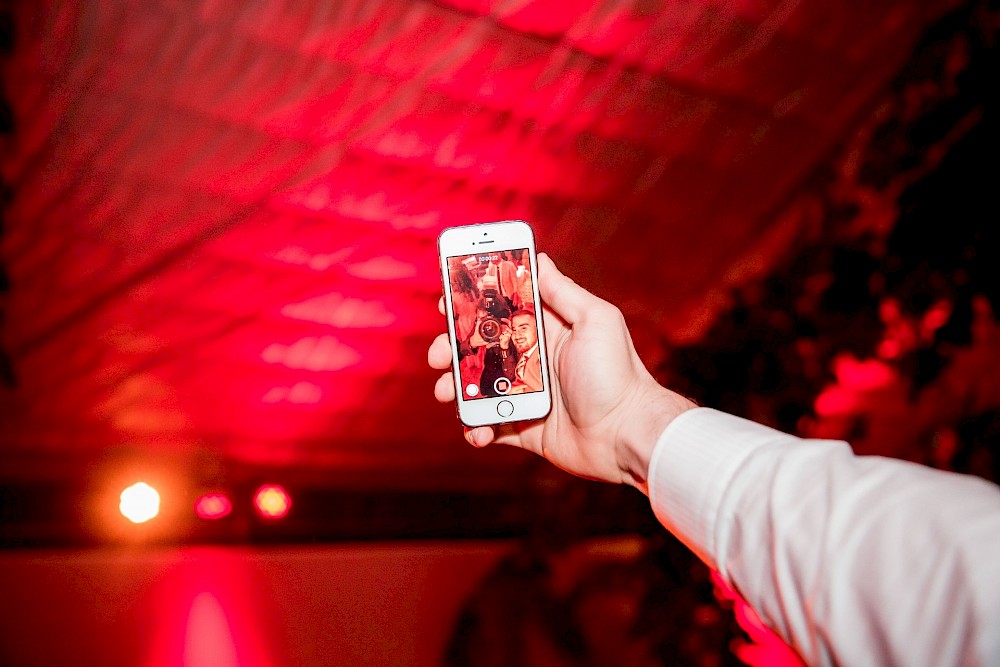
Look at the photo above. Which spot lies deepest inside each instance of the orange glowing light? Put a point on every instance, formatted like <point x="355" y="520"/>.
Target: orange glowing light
<point x="139" y="503"/>
<point x="213" y="506"/>
<point x="272" y="501"/>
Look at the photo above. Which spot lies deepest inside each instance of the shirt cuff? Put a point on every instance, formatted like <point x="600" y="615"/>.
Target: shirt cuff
<point x="693" y="464"/>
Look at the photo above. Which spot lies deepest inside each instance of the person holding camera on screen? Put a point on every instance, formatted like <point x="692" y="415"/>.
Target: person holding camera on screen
<point x="852" y="560"/>
<point x="493" y="337"/>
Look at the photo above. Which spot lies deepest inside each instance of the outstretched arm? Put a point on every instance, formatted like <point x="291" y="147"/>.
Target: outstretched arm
<point x="853" y="560"/>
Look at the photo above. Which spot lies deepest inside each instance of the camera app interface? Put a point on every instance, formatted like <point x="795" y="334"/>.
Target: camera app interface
<point x="495" y="323"/>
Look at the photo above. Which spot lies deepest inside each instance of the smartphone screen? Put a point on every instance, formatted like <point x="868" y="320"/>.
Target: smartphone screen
<point x="496" y="324"/>
<point x="492" y="302"/>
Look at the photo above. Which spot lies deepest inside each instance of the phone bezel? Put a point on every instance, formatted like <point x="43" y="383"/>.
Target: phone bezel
<point x="494" y="237"/>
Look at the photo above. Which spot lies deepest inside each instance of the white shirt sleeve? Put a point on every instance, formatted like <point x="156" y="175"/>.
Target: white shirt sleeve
<point x="854" y="560"/>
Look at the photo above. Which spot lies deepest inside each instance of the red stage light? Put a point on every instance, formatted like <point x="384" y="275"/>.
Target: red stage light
<point x="272" y="501"/>
<point x="213" y="506"/>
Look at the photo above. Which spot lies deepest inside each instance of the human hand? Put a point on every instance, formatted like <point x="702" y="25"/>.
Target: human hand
<point x="607" y="410"/>
<point x="505" y="335"/>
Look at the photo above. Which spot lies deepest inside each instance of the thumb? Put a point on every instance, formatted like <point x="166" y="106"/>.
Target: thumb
<point x="567" y="299"/>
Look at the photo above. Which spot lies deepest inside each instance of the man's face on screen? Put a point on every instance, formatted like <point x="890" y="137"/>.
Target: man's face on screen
<point x="525" y="336"/>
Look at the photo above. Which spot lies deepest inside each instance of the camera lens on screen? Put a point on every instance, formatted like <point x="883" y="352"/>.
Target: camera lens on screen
<point x="489" y="329"/>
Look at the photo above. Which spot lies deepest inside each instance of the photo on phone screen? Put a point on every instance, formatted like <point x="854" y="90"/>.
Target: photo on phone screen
<point x="496" y="323"/>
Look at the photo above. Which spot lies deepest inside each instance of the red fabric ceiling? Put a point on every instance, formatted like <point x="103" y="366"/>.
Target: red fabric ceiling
<point x="221" y="240"/>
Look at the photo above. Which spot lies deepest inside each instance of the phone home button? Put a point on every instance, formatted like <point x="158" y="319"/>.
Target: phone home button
<point x="505" y="408"/>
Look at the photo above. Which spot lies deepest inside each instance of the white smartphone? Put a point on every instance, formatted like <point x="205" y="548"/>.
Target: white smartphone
<point x="499" y="359"/>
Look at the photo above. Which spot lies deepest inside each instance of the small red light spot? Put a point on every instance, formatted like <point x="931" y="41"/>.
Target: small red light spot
<point x="835" y="400"/>
<point x="272" y="501"/>
<point x="213" y="506"/>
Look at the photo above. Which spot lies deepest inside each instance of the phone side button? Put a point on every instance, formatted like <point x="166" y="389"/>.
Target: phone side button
<point x="505" y="408"/>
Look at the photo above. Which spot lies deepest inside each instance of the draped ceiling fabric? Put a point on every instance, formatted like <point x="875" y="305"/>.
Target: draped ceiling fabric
<point x="221" y="233"/>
